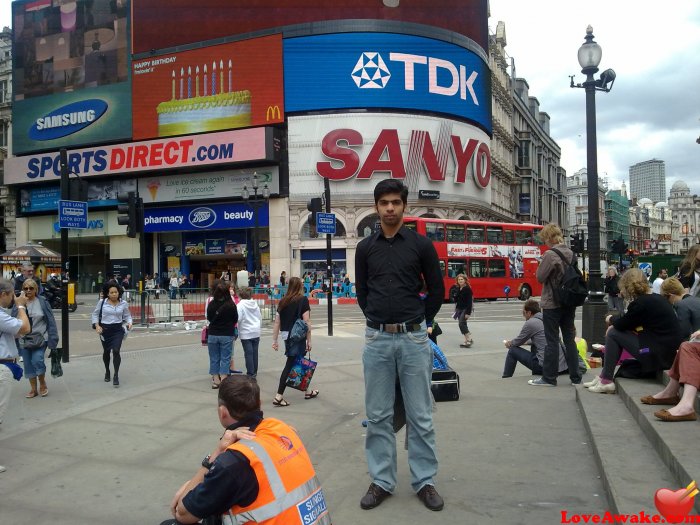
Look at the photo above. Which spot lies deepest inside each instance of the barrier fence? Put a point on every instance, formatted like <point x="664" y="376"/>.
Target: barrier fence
<point x="187" y="304"/>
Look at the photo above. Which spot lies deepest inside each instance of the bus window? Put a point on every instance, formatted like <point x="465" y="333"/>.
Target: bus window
<point x="497" y="268"/>
<point x="523" y="237"/>
<point x="510" y="236"/>
<point x="538" y="241"/>
<point x="475" y="234"/>
<point x="455" y="233"/>
<point x="411" y="225"/>
<point x="455" y="267"/>
<point x="494" y="235"/>
<point x="435" y="231"/>
<point x="477" y="268"/>
<point x="442" y="267"/>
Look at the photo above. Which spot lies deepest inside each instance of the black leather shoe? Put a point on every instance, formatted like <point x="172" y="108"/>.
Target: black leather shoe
<point x="430" y="498"/>
<point x="374" y="497"/>
<point x="115" y="381"/>
<point x="108" y="377"/>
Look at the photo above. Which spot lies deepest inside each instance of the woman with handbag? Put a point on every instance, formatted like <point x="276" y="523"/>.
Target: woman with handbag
<point x="44" y="334"/>
<point x="222" y="316"/>
<point x="293" y="307"/>
<point x="111" y="319"/>
<point x="463" y="308"/>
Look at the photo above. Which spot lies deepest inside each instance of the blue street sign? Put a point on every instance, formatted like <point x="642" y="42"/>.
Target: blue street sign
<point x="325" y="223"/>
<point x="72" y="214"/>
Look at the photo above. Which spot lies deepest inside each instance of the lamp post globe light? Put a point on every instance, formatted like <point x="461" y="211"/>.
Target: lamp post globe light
<point x="595" y="308"/>
<point x="256" y="201"/>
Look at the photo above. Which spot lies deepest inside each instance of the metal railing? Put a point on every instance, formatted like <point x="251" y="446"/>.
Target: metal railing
<point x="185" y="304"/>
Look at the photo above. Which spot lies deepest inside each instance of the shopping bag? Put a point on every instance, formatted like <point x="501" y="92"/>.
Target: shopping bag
<point x="301" y="373"/>
<point x="205" y="336"/>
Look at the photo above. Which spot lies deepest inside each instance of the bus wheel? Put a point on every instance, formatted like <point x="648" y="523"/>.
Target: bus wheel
<point x="525" y="292"/>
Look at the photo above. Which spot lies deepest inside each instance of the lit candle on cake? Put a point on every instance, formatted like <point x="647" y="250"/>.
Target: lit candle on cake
<point x="189" y="81"/>
<point x="221" y="75"/>
<point x="196" y="82"/>
<point x="182" y="77"/>
<point x="230" y="78"/>
<point x="206" y="84"/>
<point x="173" y="84"/>
<point x="213" y="78"/>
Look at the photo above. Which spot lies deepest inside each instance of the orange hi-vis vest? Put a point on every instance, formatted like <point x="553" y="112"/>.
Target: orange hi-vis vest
<point x="289" y="493"/>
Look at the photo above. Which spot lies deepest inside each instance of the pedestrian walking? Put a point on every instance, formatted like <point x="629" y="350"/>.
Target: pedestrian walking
<point x="249" y="326"/>
<point x="10" y="327"/>
<point x="556" y="316"/>
<point x="111" y="319"/>
<point x="174" y="285"/>
<point x="44" y="334"/>
<point x="611" y="286"/>
<point x="293" y="306"/>
<point x="390" y="266"/>
<point x="464" y="303"/>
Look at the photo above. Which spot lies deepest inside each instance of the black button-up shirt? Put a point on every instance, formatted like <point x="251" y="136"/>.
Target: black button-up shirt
<point x="389" y="273"/>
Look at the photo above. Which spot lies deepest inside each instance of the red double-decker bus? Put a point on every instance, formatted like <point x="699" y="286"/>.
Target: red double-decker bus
<point x="500" y="258"/>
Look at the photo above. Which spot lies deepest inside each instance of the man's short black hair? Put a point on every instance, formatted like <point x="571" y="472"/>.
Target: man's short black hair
<point x="240" y="394"/>
<point x="388" y="186"/>
<point x="532" y="306"/>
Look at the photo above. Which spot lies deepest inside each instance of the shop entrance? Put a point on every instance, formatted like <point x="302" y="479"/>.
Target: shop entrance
<point x="206" y="268"/>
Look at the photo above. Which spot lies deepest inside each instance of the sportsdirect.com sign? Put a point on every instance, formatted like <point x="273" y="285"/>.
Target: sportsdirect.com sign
<point x="189" y="151"/>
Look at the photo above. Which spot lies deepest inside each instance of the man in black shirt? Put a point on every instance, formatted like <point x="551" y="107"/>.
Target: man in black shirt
<point x="390" y="267"/>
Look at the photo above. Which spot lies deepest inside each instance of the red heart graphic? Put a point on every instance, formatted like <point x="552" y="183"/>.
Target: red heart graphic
<point x="673" y="505"/>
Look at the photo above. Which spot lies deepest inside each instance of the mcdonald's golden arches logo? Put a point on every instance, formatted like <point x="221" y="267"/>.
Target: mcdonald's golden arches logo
<point x="273" y="113"/>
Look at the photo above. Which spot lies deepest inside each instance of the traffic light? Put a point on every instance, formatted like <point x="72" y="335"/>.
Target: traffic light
<point x="581" y="244"/>
<point x="128" y="210"/>
<point x="574" y="243"/>
<point x="315" y="206"/>
<point x="619" y="246"/>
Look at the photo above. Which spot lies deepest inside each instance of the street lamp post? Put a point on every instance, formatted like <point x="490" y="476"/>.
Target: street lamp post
<point x="594" y="310"/>
<point x="256" y="203"/>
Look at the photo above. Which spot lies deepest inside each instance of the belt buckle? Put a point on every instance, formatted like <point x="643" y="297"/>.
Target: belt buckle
<point x="392" y="328"/>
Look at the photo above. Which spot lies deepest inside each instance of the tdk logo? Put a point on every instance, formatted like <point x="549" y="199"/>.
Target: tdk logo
<point x="202" y="217"/>
<point x="371" y="72"/>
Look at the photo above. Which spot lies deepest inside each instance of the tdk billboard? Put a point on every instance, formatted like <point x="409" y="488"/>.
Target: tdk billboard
<point x="386" y="70"/>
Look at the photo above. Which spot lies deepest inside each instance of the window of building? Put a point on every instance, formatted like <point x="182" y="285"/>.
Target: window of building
<point x="4" y="94"/>
<point x="524" y="154"/>
<point x="368" y="226"/>
<point x="4" y="129"/>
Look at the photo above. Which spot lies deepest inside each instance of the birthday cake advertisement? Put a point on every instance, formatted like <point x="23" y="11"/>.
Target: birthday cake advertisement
<point x="227" y="86"/>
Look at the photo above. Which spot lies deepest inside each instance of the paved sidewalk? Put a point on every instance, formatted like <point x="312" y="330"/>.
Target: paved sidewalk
<point x="93" y="454"/>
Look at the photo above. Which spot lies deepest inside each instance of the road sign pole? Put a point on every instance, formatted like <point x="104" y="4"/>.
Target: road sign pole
<point x="329" y="259"/>
<point x="65" y="195"/>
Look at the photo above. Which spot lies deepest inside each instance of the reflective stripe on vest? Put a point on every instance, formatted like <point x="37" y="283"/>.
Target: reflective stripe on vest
<point x="307" y="491"/>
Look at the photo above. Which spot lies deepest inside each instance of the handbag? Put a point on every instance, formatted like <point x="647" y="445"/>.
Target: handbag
<point x="299" y="329"/>
<point x="301" y="373"/>
<point x="33" y="341"/>
<point x="436" y="329"/>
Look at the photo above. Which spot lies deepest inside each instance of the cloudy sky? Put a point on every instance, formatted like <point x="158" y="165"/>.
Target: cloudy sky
<point x="653" y="110"/>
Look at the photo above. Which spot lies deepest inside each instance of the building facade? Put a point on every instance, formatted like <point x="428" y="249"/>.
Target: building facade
<point x="685" y="210"/>
<point x="7" y="204"/>
<point x="617" y="222"/>
<point x="577" y="195"/>
<point x="648" y="180"/>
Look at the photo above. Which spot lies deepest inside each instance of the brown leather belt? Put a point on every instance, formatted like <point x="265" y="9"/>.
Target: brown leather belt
<point x="396" y="328"/>
<point x="9" y="360"/>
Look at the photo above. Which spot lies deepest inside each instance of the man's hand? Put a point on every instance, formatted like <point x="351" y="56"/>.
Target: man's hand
<point x="21" y="300"/>
<point x="695" y="336"/>
<point x="507" y="343"/>
<point x="232" y="436"/>
<point x="178" y="496"/>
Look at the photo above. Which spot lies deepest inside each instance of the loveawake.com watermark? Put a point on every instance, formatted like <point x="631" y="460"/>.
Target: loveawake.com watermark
<point x="640" y="517"/>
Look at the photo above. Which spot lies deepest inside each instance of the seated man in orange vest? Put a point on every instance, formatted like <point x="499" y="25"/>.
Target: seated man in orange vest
<point x="259" y="471"/>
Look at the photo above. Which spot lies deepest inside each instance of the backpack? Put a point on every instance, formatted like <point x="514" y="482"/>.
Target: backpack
<point x="572" y="290"/>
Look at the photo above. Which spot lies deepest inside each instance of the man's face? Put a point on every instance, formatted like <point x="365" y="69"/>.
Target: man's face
<point x="6" y="299"/>
<point x="527" y="314"/>
<point x="390" y="209"/>
<point x="28" y="272"/>
<point x="663" y="274"/>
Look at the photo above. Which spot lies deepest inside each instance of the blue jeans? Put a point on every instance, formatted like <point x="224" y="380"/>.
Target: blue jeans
<point x="220" y="348"/>
<point x="409" y="356"/>
<point x="33" y="361"/>
<point x="250" y="350"/>
<point x="555" y="319"/>
<point x="516" y="355"/>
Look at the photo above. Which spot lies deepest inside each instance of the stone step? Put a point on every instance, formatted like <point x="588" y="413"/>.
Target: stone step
<point x="631" y="470"/>
<point x="675" y="443"/>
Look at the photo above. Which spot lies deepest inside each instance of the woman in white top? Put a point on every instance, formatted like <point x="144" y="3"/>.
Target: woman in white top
<point x="112" y="320"/>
